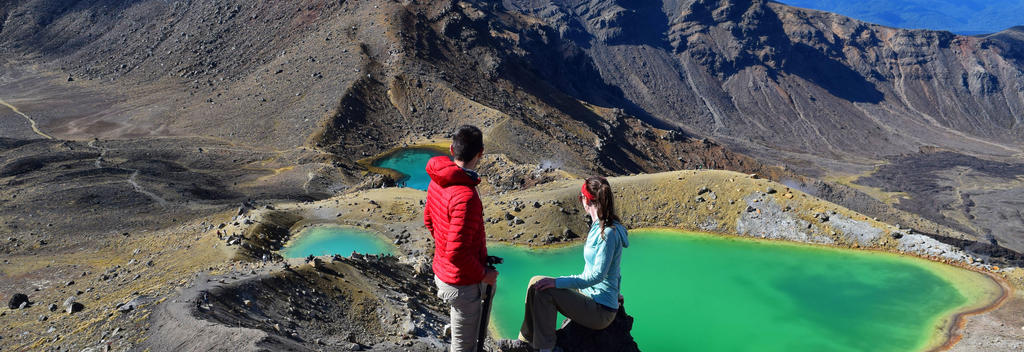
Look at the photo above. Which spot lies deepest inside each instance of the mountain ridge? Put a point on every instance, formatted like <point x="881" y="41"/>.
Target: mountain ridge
<point x="961" y="17"/>
<point x="819" y="94"/>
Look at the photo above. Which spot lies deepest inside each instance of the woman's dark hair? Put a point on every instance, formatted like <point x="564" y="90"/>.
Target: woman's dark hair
<point x="599" y="188"/>
<point x="467" y="142"/>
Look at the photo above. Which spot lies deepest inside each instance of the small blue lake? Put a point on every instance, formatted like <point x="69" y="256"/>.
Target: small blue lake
<point x="328" y="240"/>
<point x="411" y="163"/>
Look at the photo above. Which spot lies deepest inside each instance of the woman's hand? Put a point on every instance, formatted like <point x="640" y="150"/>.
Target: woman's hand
<point x="544" y="284"/>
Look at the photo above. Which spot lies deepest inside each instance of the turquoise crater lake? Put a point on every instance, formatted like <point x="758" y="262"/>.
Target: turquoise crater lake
<point x="411" y="163"/>
<point x="329" y="240"/>
<point x="691" y="292"/>
<point x="697" y="292"/>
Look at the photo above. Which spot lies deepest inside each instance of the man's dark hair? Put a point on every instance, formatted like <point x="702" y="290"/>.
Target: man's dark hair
<point x="467" y="142"/>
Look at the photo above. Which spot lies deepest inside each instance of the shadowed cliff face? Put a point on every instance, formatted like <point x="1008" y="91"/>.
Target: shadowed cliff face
<point x="763" y="74"/>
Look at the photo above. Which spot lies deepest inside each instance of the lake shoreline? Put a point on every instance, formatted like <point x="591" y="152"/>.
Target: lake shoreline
<point x="954" y="330"/>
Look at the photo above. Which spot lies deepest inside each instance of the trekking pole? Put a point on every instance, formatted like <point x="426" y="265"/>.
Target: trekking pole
<point x="488" y="297"/>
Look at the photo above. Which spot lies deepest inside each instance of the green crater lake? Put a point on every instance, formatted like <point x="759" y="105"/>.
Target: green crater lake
<point x="411" y="163"/>
<point x="329" y="240"/>
<point x="698" y="292"/>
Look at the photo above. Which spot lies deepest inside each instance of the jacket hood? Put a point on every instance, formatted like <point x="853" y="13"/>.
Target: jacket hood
<point x="617" y="230"/>
<point x="444" y="172"/>
<point x="623" y="235"/>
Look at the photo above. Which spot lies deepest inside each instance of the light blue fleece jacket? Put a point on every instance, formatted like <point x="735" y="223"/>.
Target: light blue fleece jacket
<point x="601" y="277"/>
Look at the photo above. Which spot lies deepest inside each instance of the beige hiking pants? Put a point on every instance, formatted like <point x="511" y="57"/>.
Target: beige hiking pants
<point x="542" y="308"/>
<point x="466" y="312"/>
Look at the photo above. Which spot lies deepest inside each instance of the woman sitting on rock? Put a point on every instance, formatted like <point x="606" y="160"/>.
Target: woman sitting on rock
<point x="591" y="298"/>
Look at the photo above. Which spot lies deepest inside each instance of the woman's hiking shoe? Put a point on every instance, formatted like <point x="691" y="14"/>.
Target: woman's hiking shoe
<point x="506" y="345"/>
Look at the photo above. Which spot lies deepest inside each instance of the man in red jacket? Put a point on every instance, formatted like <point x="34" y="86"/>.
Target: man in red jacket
<point x="454" y="217"/>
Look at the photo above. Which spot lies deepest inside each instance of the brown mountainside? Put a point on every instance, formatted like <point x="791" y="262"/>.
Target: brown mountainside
<point x="775" y="78"/>
<point x="189" y="108"/>
<point x="611" y="86"/>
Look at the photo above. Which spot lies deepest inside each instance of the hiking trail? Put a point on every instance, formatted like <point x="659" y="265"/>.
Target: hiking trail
<point x="35" y="128"/>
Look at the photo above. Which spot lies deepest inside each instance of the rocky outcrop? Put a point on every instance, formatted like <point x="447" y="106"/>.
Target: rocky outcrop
<point x="766" y="218"/>
<point x="351" y="304"/>
<point x="268" y="233"/>
<point x="616" y="337"/>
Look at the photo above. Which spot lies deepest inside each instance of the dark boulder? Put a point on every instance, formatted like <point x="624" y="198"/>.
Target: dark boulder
<point x="616" y="337"/>
<point x="74" y="307"/>
<point x="568" y="234"/>
<point x="17" y="300"/>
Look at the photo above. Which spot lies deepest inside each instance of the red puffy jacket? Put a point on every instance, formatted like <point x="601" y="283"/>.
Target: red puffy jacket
<point x="454" y="216"/>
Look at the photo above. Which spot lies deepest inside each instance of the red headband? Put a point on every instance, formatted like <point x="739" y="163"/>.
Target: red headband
<point x="590" y="197"/>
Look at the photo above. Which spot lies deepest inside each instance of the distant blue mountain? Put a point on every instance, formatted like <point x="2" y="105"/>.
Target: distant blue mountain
<point x="957" y="16"/>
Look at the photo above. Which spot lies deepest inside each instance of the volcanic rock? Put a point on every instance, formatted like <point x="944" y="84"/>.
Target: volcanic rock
<point x="616" y="337"/>
<point x="17" y="300"/>
<point x="74" y="307"/>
